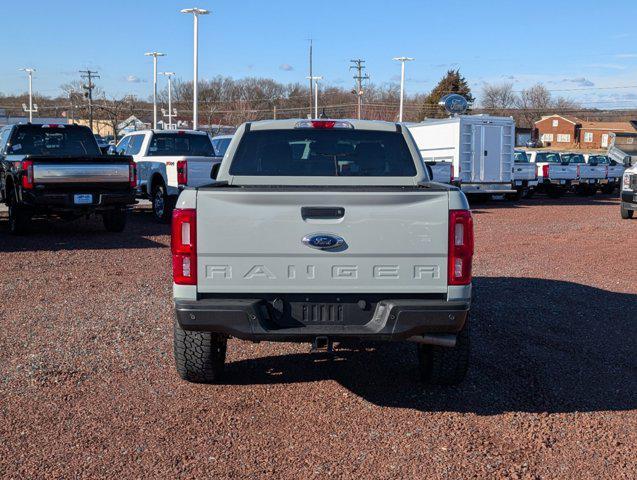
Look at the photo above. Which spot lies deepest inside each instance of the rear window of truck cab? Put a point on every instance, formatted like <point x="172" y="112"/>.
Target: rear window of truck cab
<point x="323" y="153"/>
<point x="180" y="144"/>
<point x="520" y="157"/>
<point x="548" y="158"/>
<point x="573" y="158"/>
<point x="58" y="140"/>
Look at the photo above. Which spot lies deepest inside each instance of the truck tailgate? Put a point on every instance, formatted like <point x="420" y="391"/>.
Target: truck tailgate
<point x="592" y="171"/>
<point x="250" y="240"/>
<point x="199" y="170"/>
<point x="562" y="172"/>
<point x="524" y="171"/>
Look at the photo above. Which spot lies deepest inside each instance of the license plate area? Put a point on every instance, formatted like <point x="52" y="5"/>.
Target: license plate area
<point x="82" y="199"/>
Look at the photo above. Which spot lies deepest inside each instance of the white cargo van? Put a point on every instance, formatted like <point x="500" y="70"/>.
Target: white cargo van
<point x="480" y="148"/>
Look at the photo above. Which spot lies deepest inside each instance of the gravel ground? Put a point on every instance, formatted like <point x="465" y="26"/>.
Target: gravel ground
<point x="88" y="388"/>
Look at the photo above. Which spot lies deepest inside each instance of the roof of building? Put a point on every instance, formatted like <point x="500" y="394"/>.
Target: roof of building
<point x="610" y="126"/>
<point x="568" y="118"/>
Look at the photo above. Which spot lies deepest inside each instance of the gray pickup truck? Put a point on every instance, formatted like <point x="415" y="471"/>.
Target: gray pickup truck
<point x="59" y="170"/>
<point x="322" y="231"/>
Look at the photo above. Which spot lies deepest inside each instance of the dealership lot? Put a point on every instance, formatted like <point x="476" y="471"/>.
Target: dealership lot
<point x="89" y="388"/>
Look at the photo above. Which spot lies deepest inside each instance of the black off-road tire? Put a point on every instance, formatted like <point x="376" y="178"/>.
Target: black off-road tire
<point x="199" y="356"/>
<point x="445" y="365"/>
<point x="529" y="193"/>
<point x="114" y="220"/>
<point x="163" y="204"/>
<point x="19" y="218"/>
<point x="626" y="214"/>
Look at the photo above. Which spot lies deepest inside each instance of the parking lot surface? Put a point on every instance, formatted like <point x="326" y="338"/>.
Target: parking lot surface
<point x="89" y="389"/>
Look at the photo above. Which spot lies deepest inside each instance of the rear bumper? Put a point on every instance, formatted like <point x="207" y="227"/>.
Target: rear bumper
<point x="257" y="319"/>
<point x="64" y="201"/>
<point x="561" y="182"/>
<point x="487" y="188"/>
<point x="517" y="184"/>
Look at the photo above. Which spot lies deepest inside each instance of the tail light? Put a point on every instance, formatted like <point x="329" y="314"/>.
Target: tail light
<point x="183" y="245"/>
<point x="27" y="174"/>
<point x="182" y="172"/>
<point x="578" y="171"/>
<point x="452" y="173"/>
<point x="323" y="124"/>
<point x="606" y="169"/>
<point x="545" y="171"/>
<point x="460" y="247"/>
<point x="132" y="174"/>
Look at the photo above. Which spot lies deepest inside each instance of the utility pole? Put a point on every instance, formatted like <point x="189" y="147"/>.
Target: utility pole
<point x="359" y="77"/>
<point x="31" y="110"/>
<point x="316" y="92"/>
<point x="155" y="55"/>
<point x="89" y="75"/>
<point x="311" y="78"/>
<point x="170" y="98"/>
<point x="402" y="61"/>
<point x="195" y="87"/>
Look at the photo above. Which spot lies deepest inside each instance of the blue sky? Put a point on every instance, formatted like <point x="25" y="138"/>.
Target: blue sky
<point x="567" y="45"/>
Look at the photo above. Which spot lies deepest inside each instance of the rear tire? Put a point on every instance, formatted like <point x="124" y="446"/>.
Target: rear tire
<point x="199" y="356"/>
<point x="19" y="218"/>
<point x="626" y="214"/>
<point x="114" y="220"/>
<point x="515" y="196"/>
<point x="529" y="193"/>
<point x="162" y="204"/>
<point x="445" y="365"/>
<point x="555" y="192"/>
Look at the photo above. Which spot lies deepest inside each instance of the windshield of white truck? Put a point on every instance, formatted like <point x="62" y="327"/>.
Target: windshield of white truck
<point x="46" y="140"/>
<point x="180" y="144"/>
<point x="543" y="157"/>
<point x="323" y="153"/>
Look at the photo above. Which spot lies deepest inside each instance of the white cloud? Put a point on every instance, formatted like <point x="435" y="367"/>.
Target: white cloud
<point x="626" y="55"/>
<point x="133" y="79"/>
<point x="286" y="67"/>
<point x="580" y="82"/>
<point x="611" y="66"/>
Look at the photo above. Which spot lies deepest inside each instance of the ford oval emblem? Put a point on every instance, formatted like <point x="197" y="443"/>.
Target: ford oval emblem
<point x="323" y="241"/>
<point x="454" y="104"/>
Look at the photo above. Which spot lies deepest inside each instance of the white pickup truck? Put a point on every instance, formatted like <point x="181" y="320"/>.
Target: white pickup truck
<point x="591" y="176"/>
<point x="168" y="161"/>
<point x="614" y="171"/>
<point x="555" y="176"/>
<point x="629" y="192"/>
<point x="322" y="231"/>
<point x="524" y="175"/>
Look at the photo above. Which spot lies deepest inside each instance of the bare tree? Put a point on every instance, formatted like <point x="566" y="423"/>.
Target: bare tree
<point x="496" y="98"/>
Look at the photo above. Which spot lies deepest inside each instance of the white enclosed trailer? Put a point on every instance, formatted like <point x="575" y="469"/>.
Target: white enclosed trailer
<point x="480" y="148"/>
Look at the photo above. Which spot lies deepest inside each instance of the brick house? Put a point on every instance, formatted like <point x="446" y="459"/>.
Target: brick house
<point x="565" y="131"/>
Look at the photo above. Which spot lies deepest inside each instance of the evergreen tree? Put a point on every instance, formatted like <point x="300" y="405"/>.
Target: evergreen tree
<point x="452" y="82"/>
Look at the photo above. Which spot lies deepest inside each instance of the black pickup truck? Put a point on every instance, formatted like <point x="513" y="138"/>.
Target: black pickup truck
<point x="59" y="170"/>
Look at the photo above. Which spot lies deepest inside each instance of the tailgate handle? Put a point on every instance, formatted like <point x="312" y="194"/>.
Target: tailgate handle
<point x="322" y="212"/>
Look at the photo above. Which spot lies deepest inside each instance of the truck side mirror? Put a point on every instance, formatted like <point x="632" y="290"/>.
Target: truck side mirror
<point x="214" y="171"/>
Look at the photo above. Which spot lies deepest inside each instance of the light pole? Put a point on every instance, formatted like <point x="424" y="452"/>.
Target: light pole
<point x="402" y="61"/>
<point x="29" y="72"/>
<point x="155" y="55"/>
<point x="195" y="13"/>
<point x="170" y="97"/>
<point x="316" y="92"/>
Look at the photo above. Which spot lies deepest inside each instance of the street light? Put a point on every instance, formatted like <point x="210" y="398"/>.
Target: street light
<point x="29" y="72"/>
<point x="402" y="61"/>
<point x="170" y="97"/>
<point x="316" y="89"/>
<point x="195" y="13"/>
<point x="155" y="55"/>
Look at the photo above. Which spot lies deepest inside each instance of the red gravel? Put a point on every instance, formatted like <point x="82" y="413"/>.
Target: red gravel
<point x="88" y="388"/>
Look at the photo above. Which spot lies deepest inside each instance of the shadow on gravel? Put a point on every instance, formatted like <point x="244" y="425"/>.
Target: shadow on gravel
<point x="537" y="346"/>
<point x="83" y="234"/>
